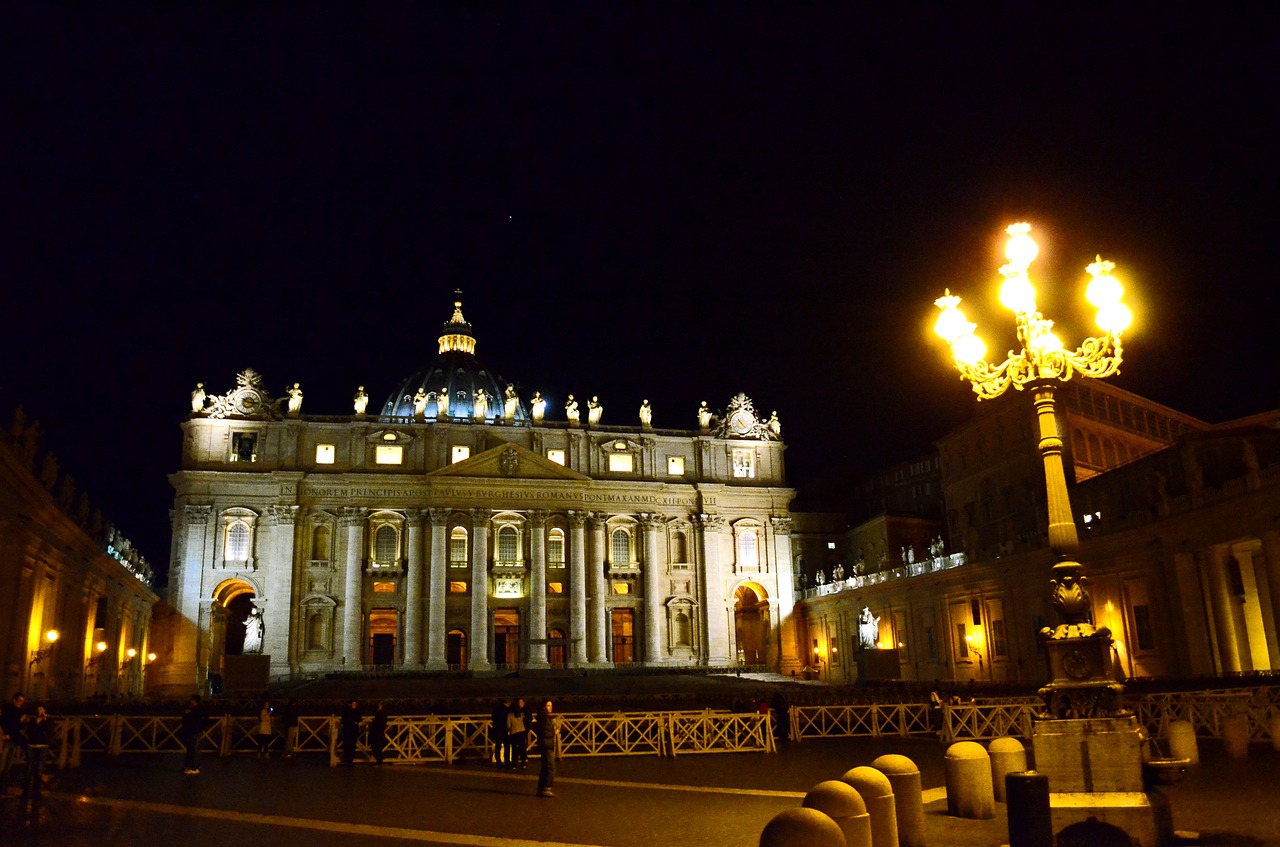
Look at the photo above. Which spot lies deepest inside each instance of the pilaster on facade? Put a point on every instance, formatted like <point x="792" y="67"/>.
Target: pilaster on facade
<point x="352" y="520"/>
<point x="598" y="600"/>
<point x="437" y="659"/>
<point x="415" y="519"/>
<point x="654" y="596"/>
<point x="538" y="590"/>
<point x="479" y="650"/>
<point x="577" y="588"/>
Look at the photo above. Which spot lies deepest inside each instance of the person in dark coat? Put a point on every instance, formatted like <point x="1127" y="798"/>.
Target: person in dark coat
<point x="39" y="733"/>
<point x="190" y="731"/>
<point x="498" y="732"/>
<point x="350" y="731"/>
<point x="289" y="723"/>
<point x="547" y="728"/>
<point x="378" y="734"/>
<point x="11" y="736"/>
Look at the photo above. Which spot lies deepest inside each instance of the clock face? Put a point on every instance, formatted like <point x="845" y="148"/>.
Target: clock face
<point x="245" y="401"/>
<point x="741" y="422"/>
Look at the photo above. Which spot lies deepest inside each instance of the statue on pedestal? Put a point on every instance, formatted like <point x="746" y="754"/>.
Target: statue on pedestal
<point x="539" y="407"/>
<point x="571" y="411"/>
<point x="198" y="397"/>
<point x="704" y="417"/>
<point x="868" y="629"/>
<point x="821" y="578"/>
<point x="442" y="404"/>
<point x="420" y="405"/>
<point x="646" y="415"/>
<point x="594" y="410"/>
<point x="510" y="404"/>
<point x="295" y="400"/>
<point x="360" y="401"/>
<point x="774" y="425"/>
<point x="253" y="630"/>
<point x="838" y="573"/>
<point x="481" y="405"/>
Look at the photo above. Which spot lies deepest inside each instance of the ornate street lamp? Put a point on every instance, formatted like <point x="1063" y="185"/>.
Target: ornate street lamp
<point x="1080" y="679"/>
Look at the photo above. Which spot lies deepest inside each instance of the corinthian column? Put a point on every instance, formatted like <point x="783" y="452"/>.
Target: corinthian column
<point x="1224" y="622"/>
<point x="413" y="592"/>
<point x="597" y="602"/>
<point x="538" y="590"/>
<point x="478" y="652"/>
<point x="353" y="520"/>
<point x="437" y="660"/>
<point x="577" y="589"/>
<point x="654" y="608"/>
<point x="279" y="607"/>
<point x="714" y="602"/>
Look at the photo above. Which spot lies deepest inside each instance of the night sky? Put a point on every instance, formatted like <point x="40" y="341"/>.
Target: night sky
<point x="663" y="201"/>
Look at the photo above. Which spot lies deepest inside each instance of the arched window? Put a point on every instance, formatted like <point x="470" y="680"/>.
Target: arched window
<point x="320" y="543"/>
<point x="238" y="542"/>
<point x="458" y="547"/>
<point x="1095" y="450"/>
<point x="1109" y="453"/>
<point x="386" y="545"/>
<point x="620" y="543"/>
<point x="508" y="546"/>
<point x="679" y="548"/>
<point x="555" y="548"/>
<point x="748" y="548"/>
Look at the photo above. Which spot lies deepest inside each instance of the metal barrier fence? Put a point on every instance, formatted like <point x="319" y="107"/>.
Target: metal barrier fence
<point x="996" y="717"/>
<point x="428" y="738"/>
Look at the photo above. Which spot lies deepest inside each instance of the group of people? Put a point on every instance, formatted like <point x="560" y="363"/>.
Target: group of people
<point x="349" y="730"/>
<point x="269" y="727"/>
<point x="30" y="732"/>
<point x="509" y="727"/>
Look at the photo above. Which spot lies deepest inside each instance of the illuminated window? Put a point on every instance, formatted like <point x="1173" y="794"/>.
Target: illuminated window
<point x="555" y="587"/>
<point x="324" y="454"/>
<point x="555" y="548"/>
<point x="622" y="588"/>
<point x="748" y="548"/>
<point x="508" y="546"/>
<point x="457" y="588"/>
<point x="621" y="463"/>
<point x="458" y="548"/>
<point x="620" y="547"/>
<point x="389" y="454"/>
<point x="675" y="466"/>
<point x="384" y="588"/>
<point x="244" y="447"/>
<point x="386" y="544"/>
<point x="744" y="464"/>
<point x="238" y="542"/>
<point x="460" y="453"/>
<point x="831" y="545"/>
<point x="556" y="456"/>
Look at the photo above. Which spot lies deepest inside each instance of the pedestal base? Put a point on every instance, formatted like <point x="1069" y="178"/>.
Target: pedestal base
<point x="1091" y="819"/>
<point x="878" y="664"/>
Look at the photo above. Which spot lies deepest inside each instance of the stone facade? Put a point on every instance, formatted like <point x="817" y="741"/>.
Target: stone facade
<point x="467" y="532"/>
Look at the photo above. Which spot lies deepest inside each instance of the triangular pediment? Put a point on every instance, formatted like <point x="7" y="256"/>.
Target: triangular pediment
<point x="510" y="461"/>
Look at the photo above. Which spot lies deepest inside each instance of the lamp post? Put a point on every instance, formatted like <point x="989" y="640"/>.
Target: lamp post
<point x="1081" y="684"/>
<point x="40" y="654"/>
<point x="91" y="667"/>
<point x="972" y="646"/>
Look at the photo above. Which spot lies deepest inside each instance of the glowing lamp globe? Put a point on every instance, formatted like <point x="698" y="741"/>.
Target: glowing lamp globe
<point x="968" y="349"/>
<point x="1114" y="318"/>
<point x="52" y="635"/>
<point x="1017" y="295"/>
<point x="1021" y="249"/>
<point x="1104" y="290"/>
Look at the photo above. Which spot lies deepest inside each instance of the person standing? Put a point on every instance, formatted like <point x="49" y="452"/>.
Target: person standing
<point x="190" y="731"/>
<point x="498" y="732"/>
<point x="289" y="723"/>
<point x="39" y="734"/>
<point x="263" y="731"/>
<point x="517" y="740"/>
<point x="11" y="737"/>
<point x="547" y="729"/>
<point x="350" y="732"/>
<point x="378" y="734"/>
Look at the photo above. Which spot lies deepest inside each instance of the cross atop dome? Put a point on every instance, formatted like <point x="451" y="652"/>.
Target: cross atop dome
<point x="456" y="336"/>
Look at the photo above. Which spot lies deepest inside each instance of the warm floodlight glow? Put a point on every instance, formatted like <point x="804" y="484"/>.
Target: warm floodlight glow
<point x="969" y="349"/>
<point x="101" y="646"/>
<point x="969" y="638"/>
<point x="52" y="636"/>
<point x="1021" y="249"/>
<point x="1017" y="295"/>
<point x="151" y="657"/>
<point x="131" y="652"/>
<point x="1104" y="289"/>
<point x="951" y="323"/>
<point x="1114" y="318"/>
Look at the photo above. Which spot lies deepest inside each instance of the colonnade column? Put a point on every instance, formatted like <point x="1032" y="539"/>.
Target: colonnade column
<point x="577" y="589"/>
<point x="277" y="612"/>
<point x="538" y="590"/>
<point x="789" y="656"/>
<point x="717" y="607"/>
<point x="1224" y="622"/>
<point x="1271" y="562"/>
<point x="413" y="591"/>
<point x="478" y="649"/>
<point x="437" y="660"/>
<point x="186" y="672"/>
<point x="654" y="607"/>
<point x="353" y="519"/>
<point x="597" y="606"/>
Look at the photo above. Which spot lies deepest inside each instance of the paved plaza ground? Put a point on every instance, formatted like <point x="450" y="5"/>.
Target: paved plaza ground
<point x="714" y="799"/>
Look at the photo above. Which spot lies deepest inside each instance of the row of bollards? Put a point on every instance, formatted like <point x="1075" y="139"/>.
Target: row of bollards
<point x="877" y="806"/>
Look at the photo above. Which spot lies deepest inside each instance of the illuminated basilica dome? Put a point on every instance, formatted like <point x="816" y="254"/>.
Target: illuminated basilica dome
<point x="456" y="386"/>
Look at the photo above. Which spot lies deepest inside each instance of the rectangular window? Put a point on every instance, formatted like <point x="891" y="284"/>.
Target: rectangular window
<point x="999" y="644"/>
<point x="1142" y="631"/>
<point x="831" y="545"/>
<point x="621" y="463"/>
<point x="675" y="466"/>
<point x="556" y="456"/>
<point x="975" y="609"/>
<point x="457" y="588"/>
<point x="389" y="454"/>
<point x="962" y="646"/>
<point x="744" y="464"/>
<point x="930" y="644"/>
<point x="384" y="588"/>
<point x="244" y="447"/>
<point x="458" y="551"/>
<point x="622" y="588"/>
<point x="459" y="454"/>
<point x="324" y="454"/>
<point x="555" y="551"/>
<point x="555" y="587"/>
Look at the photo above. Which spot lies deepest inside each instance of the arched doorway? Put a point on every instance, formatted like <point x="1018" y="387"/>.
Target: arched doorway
<point x="455" y="649"/>
<point x="232" y="603"/>
<point x="556" y="652"/>
<point x="751" y="624"/>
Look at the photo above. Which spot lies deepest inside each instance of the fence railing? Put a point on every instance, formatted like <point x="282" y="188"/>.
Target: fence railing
<point x="996" y="717"/>
<point x="427" y="738"/>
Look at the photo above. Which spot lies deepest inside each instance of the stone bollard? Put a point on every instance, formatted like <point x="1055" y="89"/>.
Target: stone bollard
<point x="1030" y="821"/>
<point x="904" y="778"/>
<point x="1274" y="726"/>
<point x="877" y="793"/>
<point x="802" y="828"/>
<point x="1182" y="741"/>
<point x="969" y="791"/>
<point x="1235" y="736"/>
<point x="1007" y="756"/>
<point x="843" y="804"/>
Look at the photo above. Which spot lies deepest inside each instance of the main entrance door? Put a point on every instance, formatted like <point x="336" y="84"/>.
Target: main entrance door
<point x="751" y="624"/>
<point x="622" y="624"/>
<point x="383" y="628"/>
<point x="506" y="637"/>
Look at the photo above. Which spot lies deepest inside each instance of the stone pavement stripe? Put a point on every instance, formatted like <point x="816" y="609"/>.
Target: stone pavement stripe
<point x="325" y="826"/>
<point x="613" y="783"/>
